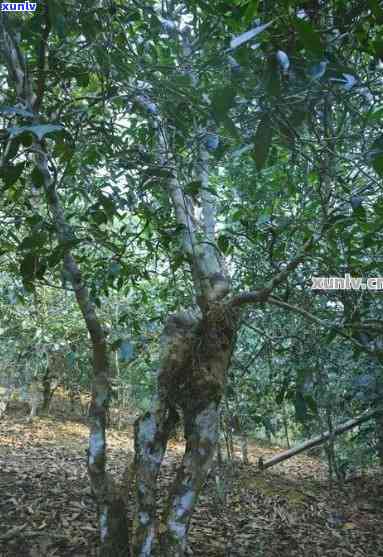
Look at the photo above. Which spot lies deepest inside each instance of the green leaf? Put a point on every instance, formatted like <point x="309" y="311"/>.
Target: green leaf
<point x="376" y="8"/>
<point x="223" y="243"/>
<point x="222" y="101"/>
<point x="248" y="35"/>
<point x="193" y="188"/>
<point x="159" y="172"/>
<point x="262" y="142"/>
<point x="376" y="115"/>
<point x="11" y="173"/>
<point x="41" y="268"/>
<point x="99" y="216"/>
<point x="298" y="117"/>
<point x="378" y="48"/>
<point x="108" y="205"/>
<point x="64" y="148"/>
<point x="230" y="127"/>
<point x="57" y="19"/>
<point x="264" y="218"/>
<point x="331" y="335"/>
<point x="14" y="148"/>
<point x="26" y="139"/>
<point x="311" y="403"/>
<point x="33" y="220"/>
<point x="90" y="28"/>
<point x="12" y="110"/>
<point x="251" y="11"/>
<point x="360" y="212"/>
<point x="36" y="240"/>
<point x="37" y="177"/>
<point x="102" y="56"/>
<point x="39" y="130"/>
<point x="281" y="393"/>
<point x="376" y="155"/>
<point x="56" y="256"/>
<point x="300" y="407"/>
<point x="309" y="36"/>
<point x="28" y="266"/>
<point x="177" y="261"/>
<point x="273" y="78"/>
<point x="81" y="75"/>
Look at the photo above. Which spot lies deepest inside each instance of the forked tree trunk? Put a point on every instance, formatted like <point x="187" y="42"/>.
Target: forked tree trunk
<point x="196" y="352"/>
<point x="191" y="380"/>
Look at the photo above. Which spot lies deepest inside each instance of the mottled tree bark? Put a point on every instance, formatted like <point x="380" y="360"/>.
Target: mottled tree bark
<point x="50" y="384"/>
<point x="379" y="435"/>
<point x="151" y="436"/>
<point x="195" y="357"/>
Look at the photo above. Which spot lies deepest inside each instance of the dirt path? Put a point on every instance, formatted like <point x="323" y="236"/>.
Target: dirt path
<point x="46" y="509"/>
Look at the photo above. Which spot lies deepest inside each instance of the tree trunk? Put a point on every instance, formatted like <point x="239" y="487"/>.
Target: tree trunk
<point x="191" y="379"/>
<point x="50" y="384"/>
<point x="35" y="398"/>
<point x="315" y="441"/>
<point x="111" y="509"/>
<point x="201" y="440"/>
<point x="379" y="435"/>
<point x="244" y="448"/>
<point x="285" y="424"/>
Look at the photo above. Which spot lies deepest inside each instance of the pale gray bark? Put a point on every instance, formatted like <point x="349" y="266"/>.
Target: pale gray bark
<point x="201" y="440"/>
<point x="317" y="440"/>
<point x="244" y="448"/>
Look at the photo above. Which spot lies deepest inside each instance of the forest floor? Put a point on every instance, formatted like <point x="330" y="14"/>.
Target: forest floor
<point x="46" y="509"/>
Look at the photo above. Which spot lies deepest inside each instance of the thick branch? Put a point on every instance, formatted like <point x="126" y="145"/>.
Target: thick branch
<point x="42" y="50"/>
<point x="201" y="440"/>
<point x="263" y="294"/>
<point x="207" y="265"/>
<point x="15" y="62"/>
<point x="315" y="441"/>
<point x="207" y="198"/>
<point x="320" y="322"/>
<point x="112" y="518"/>
<point x="151" y="436"/>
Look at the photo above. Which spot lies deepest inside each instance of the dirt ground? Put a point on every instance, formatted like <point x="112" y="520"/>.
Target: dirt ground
<point x="46" y="509"/>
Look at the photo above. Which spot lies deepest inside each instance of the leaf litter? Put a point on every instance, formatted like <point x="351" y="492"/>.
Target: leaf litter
<point x="46" y="508"/>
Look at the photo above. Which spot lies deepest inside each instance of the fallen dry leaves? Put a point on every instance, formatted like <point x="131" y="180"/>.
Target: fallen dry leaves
<point x="46" y="509"/>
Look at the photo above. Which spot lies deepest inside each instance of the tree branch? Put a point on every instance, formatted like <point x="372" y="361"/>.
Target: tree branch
<point x="15" y="62"/>
<point x="42" y="49"/>
<point x="320" y="322"/>
<point x="261" y="295"/>
<point x="208" y="275"/>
